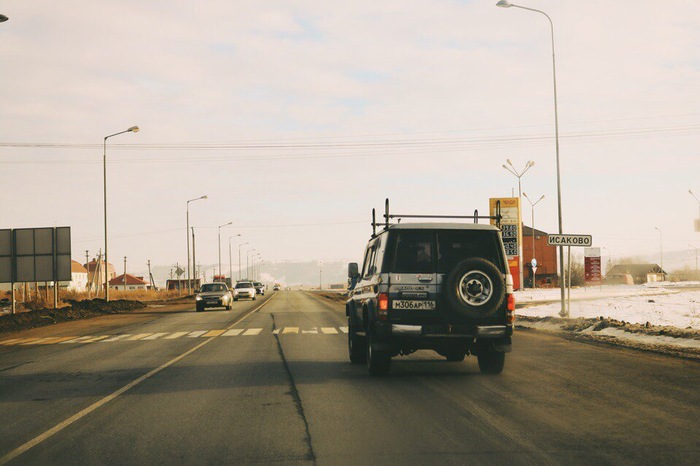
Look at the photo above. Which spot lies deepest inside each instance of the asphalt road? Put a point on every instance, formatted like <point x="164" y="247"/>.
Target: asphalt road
<point x="274" y="385"/>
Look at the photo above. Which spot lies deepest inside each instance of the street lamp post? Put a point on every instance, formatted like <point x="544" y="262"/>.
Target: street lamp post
<point x="219" y="231"/>
<point x="230" y="267"/>
<point x="661" y="246"/>
<point x="696" y="198"/>
<point x="532" y="206"/>
<point x="507" y="4"/>
<point x="133" y="129"/>
<point x="247" y="262"/>
<point x="511" y="169"/>
<point x="187" y="233"/>
<point x="697" y="277"/>
<point x="239" y="259"/>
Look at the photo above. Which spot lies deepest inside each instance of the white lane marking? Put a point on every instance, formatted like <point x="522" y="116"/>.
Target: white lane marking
<point x="234" y="332"/>
<point x="290" y="330"/>
<point x="139" y="336"/>
<point x="343" y="329"/>
<point x="155" y="336"/>
<point x="117" y="338"/>
<point x="252" y="331"/>
<point x="175" y="335"/>
<point x="39" y="341"/>
<point x="77" y="340"/>
<point x="329" y="330"/>
<point x="313" y="330"/>
<point x="276" y="331"/>
<point x="92" y="340"/>
<point x="59" y="427"/>
<point x="197" y="334"/>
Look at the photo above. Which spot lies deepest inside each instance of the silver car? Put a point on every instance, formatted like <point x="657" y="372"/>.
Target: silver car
<point x="213" y="295"/>
<point x="244" y="290"/>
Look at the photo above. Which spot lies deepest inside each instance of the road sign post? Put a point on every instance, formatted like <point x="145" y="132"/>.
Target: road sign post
<point x="562" y="240"/>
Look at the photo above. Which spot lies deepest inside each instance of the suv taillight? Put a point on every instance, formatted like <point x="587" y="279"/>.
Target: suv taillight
<point x="510" y="312"/>
<point x="383" y="304"/>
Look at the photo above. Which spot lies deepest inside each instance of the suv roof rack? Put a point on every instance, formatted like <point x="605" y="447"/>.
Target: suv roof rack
<point x="388" y="217"/>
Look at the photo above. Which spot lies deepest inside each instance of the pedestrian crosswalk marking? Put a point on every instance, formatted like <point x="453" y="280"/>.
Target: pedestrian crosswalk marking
<point x="234" y="332"/>
<point x="117" y="337"/>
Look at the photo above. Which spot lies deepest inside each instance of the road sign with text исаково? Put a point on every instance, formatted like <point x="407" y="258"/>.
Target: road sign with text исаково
<point x="570" y="240"/>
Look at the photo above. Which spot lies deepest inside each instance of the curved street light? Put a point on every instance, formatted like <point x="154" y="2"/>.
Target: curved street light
<point x="133" y="129"/>
<point x="187" y="233"/>
<point x="532" y="206"/>
<point x="219" y="231"/>
<point x="511" y="169"/>
<point x="3" y="18"/>
<point x="507" y="4"/>
<point x="661" y="246"/>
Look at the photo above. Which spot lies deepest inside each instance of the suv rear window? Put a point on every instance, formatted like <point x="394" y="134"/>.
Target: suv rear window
<point x="412" y="252"/>
<point x="456" y="245"/>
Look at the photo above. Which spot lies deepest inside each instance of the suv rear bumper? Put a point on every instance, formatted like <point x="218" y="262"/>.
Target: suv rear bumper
<point x="418" y="331"/>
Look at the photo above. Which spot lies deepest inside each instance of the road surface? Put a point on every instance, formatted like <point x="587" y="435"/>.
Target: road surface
<point x="270" y="382"/>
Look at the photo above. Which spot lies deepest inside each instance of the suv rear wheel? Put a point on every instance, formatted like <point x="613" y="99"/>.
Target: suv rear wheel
<point x="378" y="362"/>
<point x="491" y="362"/>
<point x="474" y="288"/>
<point x="357" y="348"/>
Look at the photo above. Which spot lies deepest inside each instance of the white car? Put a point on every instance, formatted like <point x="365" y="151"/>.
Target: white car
<point x="244" y="290"/>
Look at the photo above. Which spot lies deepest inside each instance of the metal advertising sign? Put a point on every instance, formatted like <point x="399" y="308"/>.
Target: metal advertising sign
<point x="510" y="232"/>
<point x="592" y="265"/>
<point x="35" y="255"/>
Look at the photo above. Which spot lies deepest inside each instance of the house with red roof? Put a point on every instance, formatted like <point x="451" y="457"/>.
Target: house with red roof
<point x="128" y="282"/>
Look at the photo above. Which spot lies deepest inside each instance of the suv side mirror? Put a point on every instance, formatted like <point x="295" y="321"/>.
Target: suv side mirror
<point x="353" y="271"/>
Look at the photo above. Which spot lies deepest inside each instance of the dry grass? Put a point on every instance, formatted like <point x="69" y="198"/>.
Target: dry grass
<point x="40" y="300"/>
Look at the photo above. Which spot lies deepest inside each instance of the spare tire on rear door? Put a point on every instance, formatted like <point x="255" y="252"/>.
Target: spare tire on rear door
<point x="474" y="288"/>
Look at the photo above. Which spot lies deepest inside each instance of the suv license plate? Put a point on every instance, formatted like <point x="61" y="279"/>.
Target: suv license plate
<point x="414" y="305"/>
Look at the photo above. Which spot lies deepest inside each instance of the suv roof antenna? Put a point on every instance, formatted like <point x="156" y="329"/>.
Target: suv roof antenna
<point x="386" y="215"/>
<point x="374" y="223"/>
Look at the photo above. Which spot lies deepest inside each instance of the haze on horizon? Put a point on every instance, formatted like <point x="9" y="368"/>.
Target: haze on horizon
<point x="296" y="120"/>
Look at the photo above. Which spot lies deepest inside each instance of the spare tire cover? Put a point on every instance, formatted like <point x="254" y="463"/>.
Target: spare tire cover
<point x="474" y="288"/>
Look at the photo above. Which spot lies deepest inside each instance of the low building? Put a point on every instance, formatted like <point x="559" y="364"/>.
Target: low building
<point x="181" y="283"/>
<point x="634" y="274"/>
<point x="546" y="255"/>
<point x="126" y="282"/>
<point x="78" y="277"/>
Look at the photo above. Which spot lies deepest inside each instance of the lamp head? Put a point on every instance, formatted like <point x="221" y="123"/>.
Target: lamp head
<point x="504" y="4"/>
<point x="3" y="18"/>
<point x="204" y="197"/>
<point x="134" y="129"/>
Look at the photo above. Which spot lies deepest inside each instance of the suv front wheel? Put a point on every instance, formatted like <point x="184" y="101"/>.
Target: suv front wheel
<point x="357" y="348"/>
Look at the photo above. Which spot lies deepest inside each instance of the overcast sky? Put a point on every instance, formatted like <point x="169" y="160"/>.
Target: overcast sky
<point x="296" y="118"/>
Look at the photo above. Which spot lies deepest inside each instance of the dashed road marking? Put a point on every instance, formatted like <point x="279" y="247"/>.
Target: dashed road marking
<point x="234" y="332"/>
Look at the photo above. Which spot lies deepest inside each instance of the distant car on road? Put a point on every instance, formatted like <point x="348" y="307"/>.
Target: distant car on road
<point x="244" y="290"/>
<point x="276" y="288"/>
<point x="259" y="288"/>
<point x="213" y="295"/>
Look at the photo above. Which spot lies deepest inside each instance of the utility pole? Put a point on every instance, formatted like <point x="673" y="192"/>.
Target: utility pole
<point x="194" y="259"/>
<point x="150" y="276"/>
<point x="124" y="273"/>
<point x="87" y="267"/>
